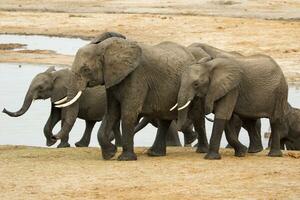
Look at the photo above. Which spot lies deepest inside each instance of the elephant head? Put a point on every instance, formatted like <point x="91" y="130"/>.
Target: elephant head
<point x="104" y="63"/>
<point x="43" y="86"/>
<point x="209" y="79"/>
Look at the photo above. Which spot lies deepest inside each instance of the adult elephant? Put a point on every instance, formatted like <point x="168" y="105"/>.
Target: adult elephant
<point x="90" y="107"/>
<point x="140" y="80"/>
<point x="251" y="87"/>
<point x="202" y="50"/>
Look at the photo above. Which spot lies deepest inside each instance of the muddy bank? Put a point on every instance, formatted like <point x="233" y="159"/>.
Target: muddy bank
<point x="277" y="38"/>
<point x="77" y="173"/>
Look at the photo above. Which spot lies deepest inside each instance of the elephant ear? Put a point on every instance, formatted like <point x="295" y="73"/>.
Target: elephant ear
<point x="225" y="75"/>
<point x="105" y="36"/>
<point x="121" y="57"/>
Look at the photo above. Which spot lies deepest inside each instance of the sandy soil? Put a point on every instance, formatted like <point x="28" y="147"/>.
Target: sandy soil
<point x="250" y="27"/>
<point x="271" y="27"/>
<point x="74" y="173"/>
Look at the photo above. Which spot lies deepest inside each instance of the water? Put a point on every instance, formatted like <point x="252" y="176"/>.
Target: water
<point x="28" y="129"/>
<point x="66" y="46"/>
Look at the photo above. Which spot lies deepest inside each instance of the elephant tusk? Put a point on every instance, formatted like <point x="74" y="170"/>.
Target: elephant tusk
<point x="209" y="119"/>
<point x="185" y="105"/>
<point x="174" y="107"/>
<point x="70" y="102"/>
<point x="61" y="101"/>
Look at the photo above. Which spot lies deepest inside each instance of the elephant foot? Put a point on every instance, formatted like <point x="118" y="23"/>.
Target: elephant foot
<point x="156" y="152"/>
<point x="81" y="144"/>
<point x="202" y="149"/>
<point x="108" y="152"/>
<point x="228" y="146"/>
<point x="212" y="156"/>
<point x="241" y="151"/>
<point x="63" y="145"/>
<point x="127" y="156"/>
<point x="275" y="153"/>
<point x="255" y="149"/>
<point x="50" y="142"/>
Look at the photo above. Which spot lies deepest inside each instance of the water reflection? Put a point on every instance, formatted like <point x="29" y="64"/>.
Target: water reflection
<point x="28" y="129"/>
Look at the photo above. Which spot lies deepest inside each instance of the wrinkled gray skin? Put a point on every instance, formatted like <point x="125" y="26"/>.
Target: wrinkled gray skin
<point x="200" y="51"/>
<point x="140" y="80"/>
<point x="172" y="135"/>
<point x="90" y="107"/>
<point x="251" y="87"/>
<point x="290" y="136"/>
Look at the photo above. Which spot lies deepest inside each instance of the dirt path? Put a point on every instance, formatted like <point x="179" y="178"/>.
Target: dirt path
<point x="74" y="173"/>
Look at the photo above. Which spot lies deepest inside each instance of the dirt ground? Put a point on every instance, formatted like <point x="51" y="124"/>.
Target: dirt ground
<point x="271" y="27"/>
<point x="79" y="173"/>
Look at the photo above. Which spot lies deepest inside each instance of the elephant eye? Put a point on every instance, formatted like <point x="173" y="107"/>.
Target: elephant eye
<point x="86" y="70"/>
<point x="196" y="84"/>
<point x="40" y="87"/>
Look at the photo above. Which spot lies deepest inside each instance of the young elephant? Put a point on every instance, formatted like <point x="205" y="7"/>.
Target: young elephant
<point x="290" y="136"/>
<point x="90" y="107"/>
<point x="250" y="87"/>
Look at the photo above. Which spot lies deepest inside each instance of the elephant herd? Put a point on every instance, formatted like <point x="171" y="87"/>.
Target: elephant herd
<point x="119" y="81"/>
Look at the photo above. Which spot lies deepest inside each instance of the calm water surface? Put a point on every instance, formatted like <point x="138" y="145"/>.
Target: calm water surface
<point x="28" y="129"/>
<point x="66" y="46"/>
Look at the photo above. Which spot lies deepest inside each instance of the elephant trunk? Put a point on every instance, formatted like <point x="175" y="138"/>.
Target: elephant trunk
<point x="26" y="104"/>
<point x="185" y="97"/>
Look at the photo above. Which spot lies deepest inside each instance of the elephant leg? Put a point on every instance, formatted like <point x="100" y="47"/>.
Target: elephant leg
<point x="215" y="140"/>
<point x="86" y="138"/>
<point x="276" y="128"/>
<point x="253" y="129"/>
<point x="159" y="146"/>
<point x="199" y="124"/>
<point x="50" y="124"/>
<point x="64" y="142"/>
<point x="232" y="138"/>
<point x="189" y="135"/>
<point x="172" y="135"/>
<point x="117" y="134"/>
<point x="237" y="125"/>
<point x="111" y="118"/>
<point x="223" y="109"/>
<point x="129" y="121"/>
<point x="69" y="116"/>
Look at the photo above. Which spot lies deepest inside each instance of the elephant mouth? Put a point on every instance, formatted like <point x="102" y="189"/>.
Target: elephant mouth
<point x="92" y="83"/>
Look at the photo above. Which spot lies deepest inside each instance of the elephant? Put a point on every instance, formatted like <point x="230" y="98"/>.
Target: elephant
<point x="90" y="107"/>
<point x="52" y="84"/>
<point x="251" y="87"/>
<point x="290" y="136"/>
<point x="202" y="50"/>
<point x="140" y="80"/>
<point x="172" y="135"/>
